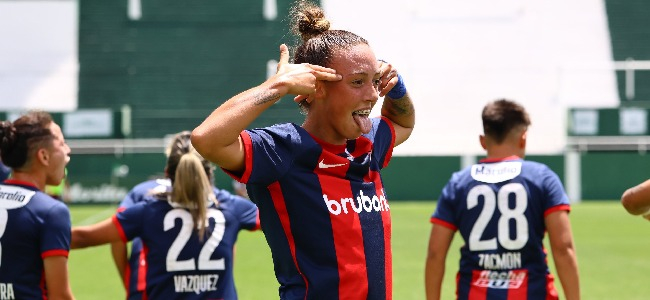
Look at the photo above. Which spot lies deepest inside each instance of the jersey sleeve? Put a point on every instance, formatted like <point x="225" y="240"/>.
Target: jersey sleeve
<point x="383" y="140"/>
<point x="247" y="213"/>
<point x="556" y="197"/>
<point x="129" y="222"/>
<point x="447" y="207"/>
<point x="268" y="153"/>
<point x="55" y="235"/>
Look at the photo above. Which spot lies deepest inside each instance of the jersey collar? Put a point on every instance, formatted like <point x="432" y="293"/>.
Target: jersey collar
<point x="24" y="184"/>
<point x="491" y="160"/>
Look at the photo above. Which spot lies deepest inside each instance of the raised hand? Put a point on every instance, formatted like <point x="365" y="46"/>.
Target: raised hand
<point x="388" y="78"/>
<point x="300" y="79"/>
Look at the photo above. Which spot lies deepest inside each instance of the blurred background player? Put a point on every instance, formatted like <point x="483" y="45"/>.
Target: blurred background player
<point x="322" y="203"/>
<point x="636" y="200"/>
<point x="34" y="227"/>
<point x="502" y="207"/>
<point x="175" y="251"/>
<point x="59" y="191"/>
<point x="131" y="265"/>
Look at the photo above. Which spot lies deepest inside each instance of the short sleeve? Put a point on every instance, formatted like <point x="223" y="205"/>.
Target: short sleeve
<point x="130" y="221"/>
<point x="383" y="139"/>
<point x="55" y="236"/>
<point x="247" y="213"/>
<point x="447" y="207"/>
<point x="269" y="153"/>
<point x="555" y="195"/>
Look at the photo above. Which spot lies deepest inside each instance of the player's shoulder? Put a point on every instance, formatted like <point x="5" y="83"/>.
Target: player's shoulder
<point x="153" y="184"/>
<point x="536" y="169"/>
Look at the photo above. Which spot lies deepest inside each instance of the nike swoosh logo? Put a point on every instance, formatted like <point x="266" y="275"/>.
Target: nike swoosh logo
<point x="323" y="165"/>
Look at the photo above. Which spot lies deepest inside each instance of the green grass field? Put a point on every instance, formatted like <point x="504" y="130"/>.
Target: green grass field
<point x="612" y="254"/>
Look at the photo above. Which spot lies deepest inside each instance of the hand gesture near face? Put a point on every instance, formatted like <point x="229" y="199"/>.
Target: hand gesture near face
<point x="300" y="79"/>
<point x="388" y="78"/>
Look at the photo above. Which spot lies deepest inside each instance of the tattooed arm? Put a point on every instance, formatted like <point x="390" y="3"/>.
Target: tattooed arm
<point x="400" y="111"/>
<point x="217" y="138"/>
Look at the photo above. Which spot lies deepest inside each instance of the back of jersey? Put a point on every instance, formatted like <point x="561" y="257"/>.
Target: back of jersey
<point x="33" y="226"/>
<point x="499" y="208"/>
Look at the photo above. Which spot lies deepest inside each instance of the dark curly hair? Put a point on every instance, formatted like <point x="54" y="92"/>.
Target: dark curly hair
<point x="21" y="138"/>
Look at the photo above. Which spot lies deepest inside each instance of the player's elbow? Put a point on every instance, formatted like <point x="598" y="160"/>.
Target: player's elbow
<point x="200" y="139"/>
<point x="633" y="203"/>
<point x="79" y="238"/>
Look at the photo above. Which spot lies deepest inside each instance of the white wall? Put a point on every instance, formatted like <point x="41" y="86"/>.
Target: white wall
<point x="456" y="56"/>
<point x="38" y="55"/>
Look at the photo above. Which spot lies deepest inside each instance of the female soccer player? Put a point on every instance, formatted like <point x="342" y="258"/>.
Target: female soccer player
<point x="34" y="227"/>
<point x="187" y="234"/>
<point x="322" y="203"/>
<point x="503" y="207"/>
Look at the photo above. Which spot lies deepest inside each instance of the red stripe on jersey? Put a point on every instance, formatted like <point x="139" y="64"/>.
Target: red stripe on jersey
<point x="142" y="271"/>
<point x="478" y="286"/>
<point x="518" y="290"/>
<point x="386" y="221"/>
<point x="443" y="223"/>
<point x="551" y="292"/>
<point x="389" y="153"/>
<point x="346" y="228"/>
<point x="43" y="285"/>
<point x="457" y="284"/>
<point x="281" y="209"/>
<point x="55" y="252"/>
<point x="127" y="279"/>
<point x="258" y="224"/>
<point x="120" y="230"/>
<point x="557" y="208"/>
<point x="248" y="156"/>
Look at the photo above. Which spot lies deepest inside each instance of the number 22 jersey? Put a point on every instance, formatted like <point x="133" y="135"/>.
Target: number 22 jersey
<point x="499" y="208"/>
<point x="178" y="264"/>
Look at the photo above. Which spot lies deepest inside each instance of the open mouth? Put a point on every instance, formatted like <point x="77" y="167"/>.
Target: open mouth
<point x="362" y="120"/>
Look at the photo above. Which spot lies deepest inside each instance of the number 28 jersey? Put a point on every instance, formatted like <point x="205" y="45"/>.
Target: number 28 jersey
<point x="499" y="208"/>
<point x="178" y="265"/>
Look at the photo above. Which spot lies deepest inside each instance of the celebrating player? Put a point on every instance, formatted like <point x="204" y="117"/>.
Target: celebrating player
<point x="187" y="234"/>
<point x="636" y="200"/>
<point x="322" y="203"/>
<point x="34" y="227"/>
<point x="502" y="207"/>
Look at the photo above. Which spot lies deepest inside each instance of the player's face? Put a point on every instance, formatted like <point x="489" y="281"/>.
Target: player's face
<point x="343" y="112"/>
<point x="59" y="156"/>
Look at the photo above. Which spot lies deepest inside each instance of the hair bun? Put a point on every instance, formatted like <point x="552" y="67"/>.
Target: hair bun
<point x="7" y="134"/>
<point x="310" y="20"/>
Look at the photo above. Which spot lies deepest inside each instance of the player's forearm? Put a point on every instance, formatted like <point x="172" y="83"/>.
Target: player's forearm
<point x="433" y="275"/>
<point x="220" y="131"/>
<point x="118" y="250"/>
<point x="399" y="111"/>
<point x="566" y="265"/>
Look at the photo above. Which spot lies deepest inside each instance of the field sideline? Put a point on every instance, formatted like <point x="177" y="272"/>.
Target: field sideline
<point x="612" y="251"/>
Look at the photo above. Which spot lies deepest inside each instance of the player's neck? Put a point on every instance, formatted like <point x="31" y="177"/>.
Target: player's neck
<point x="497" y="152"/>
<point x="37" y="180"/>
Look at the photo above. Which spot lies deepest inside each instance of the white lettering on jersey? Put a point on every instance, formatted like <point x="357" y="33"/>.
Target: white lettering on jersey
<point x="497" y="172"/>
<point x="361" y="203"/>
<point x="501" y="280"/>
<point x="500" y="261"/>
<point x="195" y="283"/>
<point x="14" y="197"/>
<point x="7" y="291"/>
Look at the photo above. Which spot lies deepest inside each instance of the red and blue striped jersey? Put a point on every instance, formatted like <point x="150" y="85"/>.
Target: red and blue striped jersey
<point x="323" y="210"/>
<point x="33" y="226"/>
<point x="142" y="192"/>
<point x="499" y="208"/>
<point x="173" y="262"/>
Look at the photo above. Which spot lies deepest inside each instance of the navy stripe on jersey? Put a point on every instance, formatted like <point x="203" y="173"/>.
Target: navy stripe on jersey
<point x="323" y="210"/>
